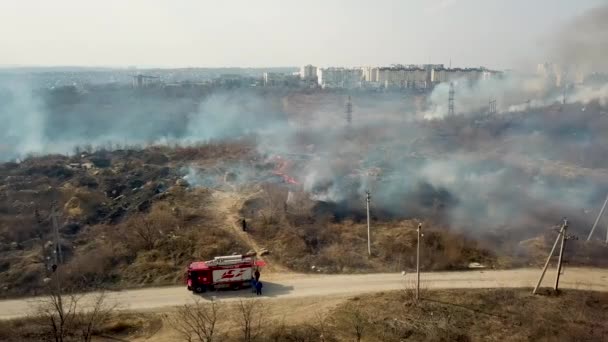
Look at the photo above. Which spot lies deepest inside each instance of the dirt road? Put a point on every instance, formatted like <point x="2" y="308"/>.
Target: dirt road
<point x="297" y="286"/>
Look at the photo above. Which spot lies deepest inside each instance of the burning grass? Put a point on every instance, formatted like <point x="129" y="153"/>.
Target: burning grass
<point x="134" y="217"/>
<point x="305" y="240"/>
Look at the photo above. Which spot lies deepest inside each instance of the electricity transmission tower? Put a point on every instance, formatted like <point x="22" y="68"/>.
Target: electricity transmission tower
<point x="492" y="106"/>
<point x="451" y="100"/>
<point x="349" y="112"/>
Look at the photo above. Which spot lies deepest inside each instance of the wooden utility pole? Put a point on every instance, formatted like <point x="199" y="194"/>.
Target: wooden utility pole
<point x="369" y="245"/>
<point x="58" y="253"/>
<point x="565" y="237"/>
<point x="418" y="262"/>
<point x="559" y="260"/>
<point x="597" y="220"/>
<point x="58" y="258"/>
<point x="542" y="275"/>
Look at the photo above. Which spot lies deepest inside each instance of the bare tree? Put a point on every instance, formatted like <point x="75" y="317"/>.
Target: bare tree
<point x="145" y="231"/>
<point x="279" y="331"/>
<point x="249" y="317"/>
<point x="68" y="318"/>
<point x="356" y="319"/>
<point x="96" y="315"/>
<point x="57" y="314"/>
<point x="197" y="322"/>
<point x="150" y="229"/>
<point x="321" y="326"/>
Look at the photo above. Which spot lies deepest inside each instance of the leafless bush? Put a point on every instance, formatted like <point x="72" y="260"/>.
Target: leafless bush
<point x="90" y="320"/>
<point x="146" y="231"/>
<point x="92" y="267"/>
<point x="198" y="322"/>
<point x="274" y="203"/>
<point x="321" y="328"/>
<point x="356" y="320"/>
<point x="342" y="257"/>
<point x="300" y="207"/>
<point x="315" y="331"/>
<point x="249" y="318"/>
<point x="69" y="317"/>
<point x="57" y="316"/>
<point x="143" y="232"/>
<point x="408" y="292"/>
<point x="352" y="319"/>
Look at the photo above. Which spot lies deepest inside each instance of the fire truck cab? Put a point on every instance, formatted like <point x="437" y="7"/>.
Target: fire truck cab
<point x="233" y="271"/>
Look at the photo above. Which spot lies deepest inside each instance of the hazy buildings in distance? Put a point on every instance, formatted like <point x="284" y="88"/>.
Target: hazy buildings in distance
<point x="395" y="76"/>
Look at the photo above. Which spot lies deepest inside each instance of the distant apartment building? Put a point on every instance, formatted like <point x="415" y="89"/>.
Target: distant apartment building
<point x="550" y="72"/>
<point x="557" y="75"/>
<point x="274" y="79"/>
<point x="397" y="76"/>
<point x="443" y="75"/>
<point x="339" y="77"/>
<point x="308" y="73"/>
<point x="400" y="76"/>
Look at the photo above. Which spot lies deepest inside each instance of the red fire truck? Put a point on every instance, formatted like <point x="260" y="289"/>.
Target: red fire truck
<point x="232" y="271"/>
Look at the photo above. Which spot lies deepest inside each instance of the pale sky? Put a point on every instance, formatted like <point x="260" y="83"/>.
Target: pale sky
<point x="262" y="33"/>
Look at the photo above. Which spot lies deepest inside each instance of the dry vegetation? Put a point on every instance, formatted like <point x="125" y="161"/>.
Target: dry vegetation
<point x="116" y="327"/>
<point x="445" y="315"/>
<point x="124" y="218"/>
<point x="64" y="316"/>
<point x="486" y="315"/>
<point x="127" y="218"/>
<point x="300" y="236"/>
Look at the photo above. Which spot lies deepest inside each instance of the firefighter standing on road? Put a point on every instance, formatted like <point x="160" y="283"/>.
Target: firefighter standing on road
<point x="256" y="274"/>
<point x="258" y="288"/>
<point x="253" y="284"/>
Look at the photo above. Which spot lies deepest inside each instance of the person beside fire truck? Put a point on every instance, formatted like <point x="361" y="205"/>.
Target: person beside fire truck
<point x="258" y="288"/>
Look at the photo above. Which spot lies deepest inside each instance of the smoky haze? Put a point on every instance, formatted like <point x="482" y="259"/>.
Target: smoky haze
<point x="583" y="42"/>
<point x="474" y="171"/>
<point x="523" y="167"/>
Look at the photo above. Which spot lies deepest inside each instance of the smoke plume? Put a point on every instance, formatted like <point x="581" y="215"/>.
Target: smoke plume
<point x="583" y="42"/>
